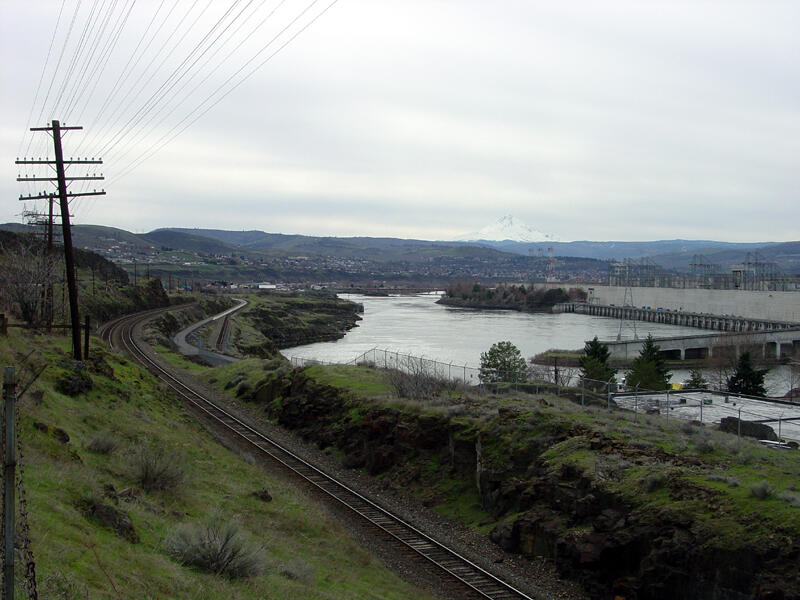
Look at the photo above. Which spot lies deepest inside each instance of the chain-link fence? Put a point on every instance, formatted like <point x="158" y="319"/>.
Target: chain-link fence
<point x="389" y="359"/>
<point x="737" y="414"/>
<point x="740" y="414"/>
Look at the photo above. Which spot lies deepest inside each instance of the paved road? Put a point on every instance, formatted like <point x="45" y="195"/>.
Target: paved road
<point x="192" y="345"/>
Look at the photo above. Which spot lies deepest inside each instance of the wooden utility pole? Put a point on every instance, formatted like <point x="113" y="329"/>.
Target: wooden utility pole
<point x="64" y="196"/>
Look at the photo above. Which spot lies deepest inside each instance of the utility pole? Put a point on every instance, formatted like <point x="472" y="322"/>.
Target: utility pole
<point x="64" y="196"/>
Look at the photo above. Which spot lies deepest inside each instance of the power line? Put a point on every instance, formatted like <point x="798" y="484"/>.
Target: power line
<point x="158" y="145"/>
<point x="58" y="64"/>
<point x="136" y="118"/>
<point x="75" y="57"/>
<point x="152" y="123"/>
<point x="102" y="61"/>
<point x="115" y="89"/>
<point x="41" y="77"/>
<point x="118" y="113"/>
<point x="92" y="43"/>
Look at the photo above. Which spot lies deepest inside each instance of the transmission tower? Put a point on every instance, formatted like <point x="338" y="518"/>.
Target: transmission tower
<point x="56" y="130"/>
<point x="550" y="274"/>
<point x="627" y="302"/>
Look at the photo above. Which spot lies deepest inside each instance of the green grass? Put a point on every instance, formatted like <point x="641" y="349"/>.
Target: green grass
<point x="461" y="503"/>
<point x="362" y="381"/>
<point x="179" y="360"/>
<point x="135" y="408"/>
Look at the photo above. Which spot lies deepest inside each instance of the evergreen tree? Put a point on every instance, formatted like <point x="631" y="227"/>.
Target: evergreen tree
<point x="747" y="379"/>
<point x="594" y="363"/>
<point x="648" y="370"/>
<point x="696" y="380"/>
<point x="503" y="362"/>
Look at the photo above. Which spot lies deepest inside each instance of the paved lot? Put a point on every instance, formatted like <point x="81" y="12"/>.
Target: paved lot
<point x="711" y="407"/>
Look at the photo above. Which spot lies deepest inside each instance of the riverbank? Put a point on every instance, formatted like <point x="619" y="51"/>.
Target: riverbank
<point x="464" y="294"/>
<point x="416" y="325"/>
<point x="649" y="509"/>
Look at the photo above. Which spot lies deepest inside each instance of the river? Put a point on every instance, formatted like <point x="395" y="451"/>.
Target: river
<point x="416" y="325"/>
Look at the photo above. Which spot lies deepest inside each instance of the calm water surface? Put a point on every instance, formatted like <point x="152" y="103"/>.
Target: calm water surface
<point x="418" y="326"/>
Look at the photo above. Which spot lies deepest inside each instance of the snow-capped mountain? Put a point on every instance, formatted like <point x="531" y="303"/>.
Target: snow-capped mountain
<point x="507" y="228"/>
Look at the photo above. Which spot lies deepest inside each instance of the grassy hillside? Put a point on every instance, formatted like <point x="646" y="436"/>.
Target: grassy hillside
<point x="188" y="241"/>
<point x="100" y="529"/>
<point x="626" y="505"/>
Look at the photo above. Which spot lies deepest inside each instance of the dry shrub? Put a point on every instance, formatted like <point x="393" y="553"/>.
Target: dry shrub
<point x="418" y="382"/>
<point x="793" y="499"/>
<point x="58" y="585"/>
<point x="155" y="468"/>
<point x="103" y="442"/>
<point x="217" y="546"/>
<point x="298" y="570"/>
<point x="762" y="490"/>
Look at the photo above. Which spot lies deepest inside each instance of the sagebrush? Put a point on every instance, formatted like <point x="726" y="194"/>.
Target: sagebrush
<point x="217" y="546"/>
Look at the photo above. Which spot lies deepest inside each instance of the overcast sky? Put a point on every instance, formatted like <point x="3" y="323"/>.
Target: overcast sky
<point x="422" y="119"/>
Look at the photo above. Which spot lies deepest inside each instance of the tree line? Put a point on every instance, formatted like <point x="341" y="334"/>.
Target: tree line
<point x="503" y="362"/>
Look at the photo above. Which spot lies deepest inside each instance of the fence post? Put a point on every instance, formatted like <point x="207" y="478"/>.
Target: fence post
<point x="668" y="390"/>
<point x="701" y="410"/>
<point x="583" y="392"/>
<point x="636" y="404"/>
<point x="739" y="427"/>
<point x="3" y="324"/>
<point x="9" y="480"/>
<point x="86" y="338"/>
<point x="608" y="394"/>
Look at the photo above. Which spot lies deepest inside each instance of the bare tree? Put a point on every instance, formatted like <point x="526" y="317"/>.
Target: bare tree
<point x="26" y="274"/>
<point x="553" y="373"/>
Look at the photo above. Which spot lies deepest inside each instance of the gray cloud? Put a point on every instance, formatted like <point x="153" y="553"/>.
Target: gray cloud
<point x="617" y="120"/>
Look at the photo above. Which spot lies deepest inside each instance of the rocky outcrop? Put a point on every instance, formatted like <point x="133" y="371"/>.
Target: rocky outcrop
<point x="594" y="536"/>
<point x="759" y="431"/>
<point x="310" y="319"/>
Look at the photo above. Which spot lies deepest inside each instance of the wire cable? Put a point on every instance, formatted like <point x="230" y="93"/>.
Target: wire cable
<point x="136" y="117"/>
<point x="131" y="64"/>
<point x="118" y="113"/>
<point x="159" y="144"/>
<point x="41" y="77"/>
<point x="75" y="57"/>
<point x="97" y="70"/>
<point x="58" y="64"/>
<point x="152" y="123"/>
<point x="93" y="42"/>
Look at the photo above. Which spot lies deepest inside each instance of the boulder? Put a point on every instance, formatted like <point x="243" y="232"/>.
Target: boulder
<point x="760" y="431"/>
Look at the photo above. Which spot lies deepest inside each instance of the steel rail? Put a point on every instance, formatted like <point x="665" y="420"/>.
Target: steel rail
<point x="463" y="570"/>
<point x="222" y="338"/>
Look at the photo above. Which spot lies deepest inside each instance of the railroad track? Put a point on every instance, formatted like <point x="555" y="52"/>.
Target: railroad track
<point x="119" y="334"/>
<point x="224" y="331"/>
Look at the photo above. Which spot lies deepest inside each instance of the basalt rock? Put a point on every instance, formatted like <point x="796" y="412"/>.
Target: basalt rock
<point x="590" y="533"/>
<point x="760" y="431"/>
<point x="116" y="519"/>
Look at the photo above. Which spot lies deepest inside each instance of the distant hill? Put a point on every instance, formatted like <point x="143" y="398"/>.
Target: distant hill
<point x="786" y="255"/>
<point x="177" y="240"/>
<point x="618" y="250"/>
<point x="378" y="249"/>
<point x="260" y="246"/>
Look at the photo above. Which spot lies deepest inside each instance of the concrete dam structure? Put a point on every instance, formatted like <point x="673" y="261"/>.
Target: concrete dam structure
<point x="766" y="324"/>
<point x="674" y="317"/>
<point x="778" y="307"/>
<point x="773" y="345"/>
